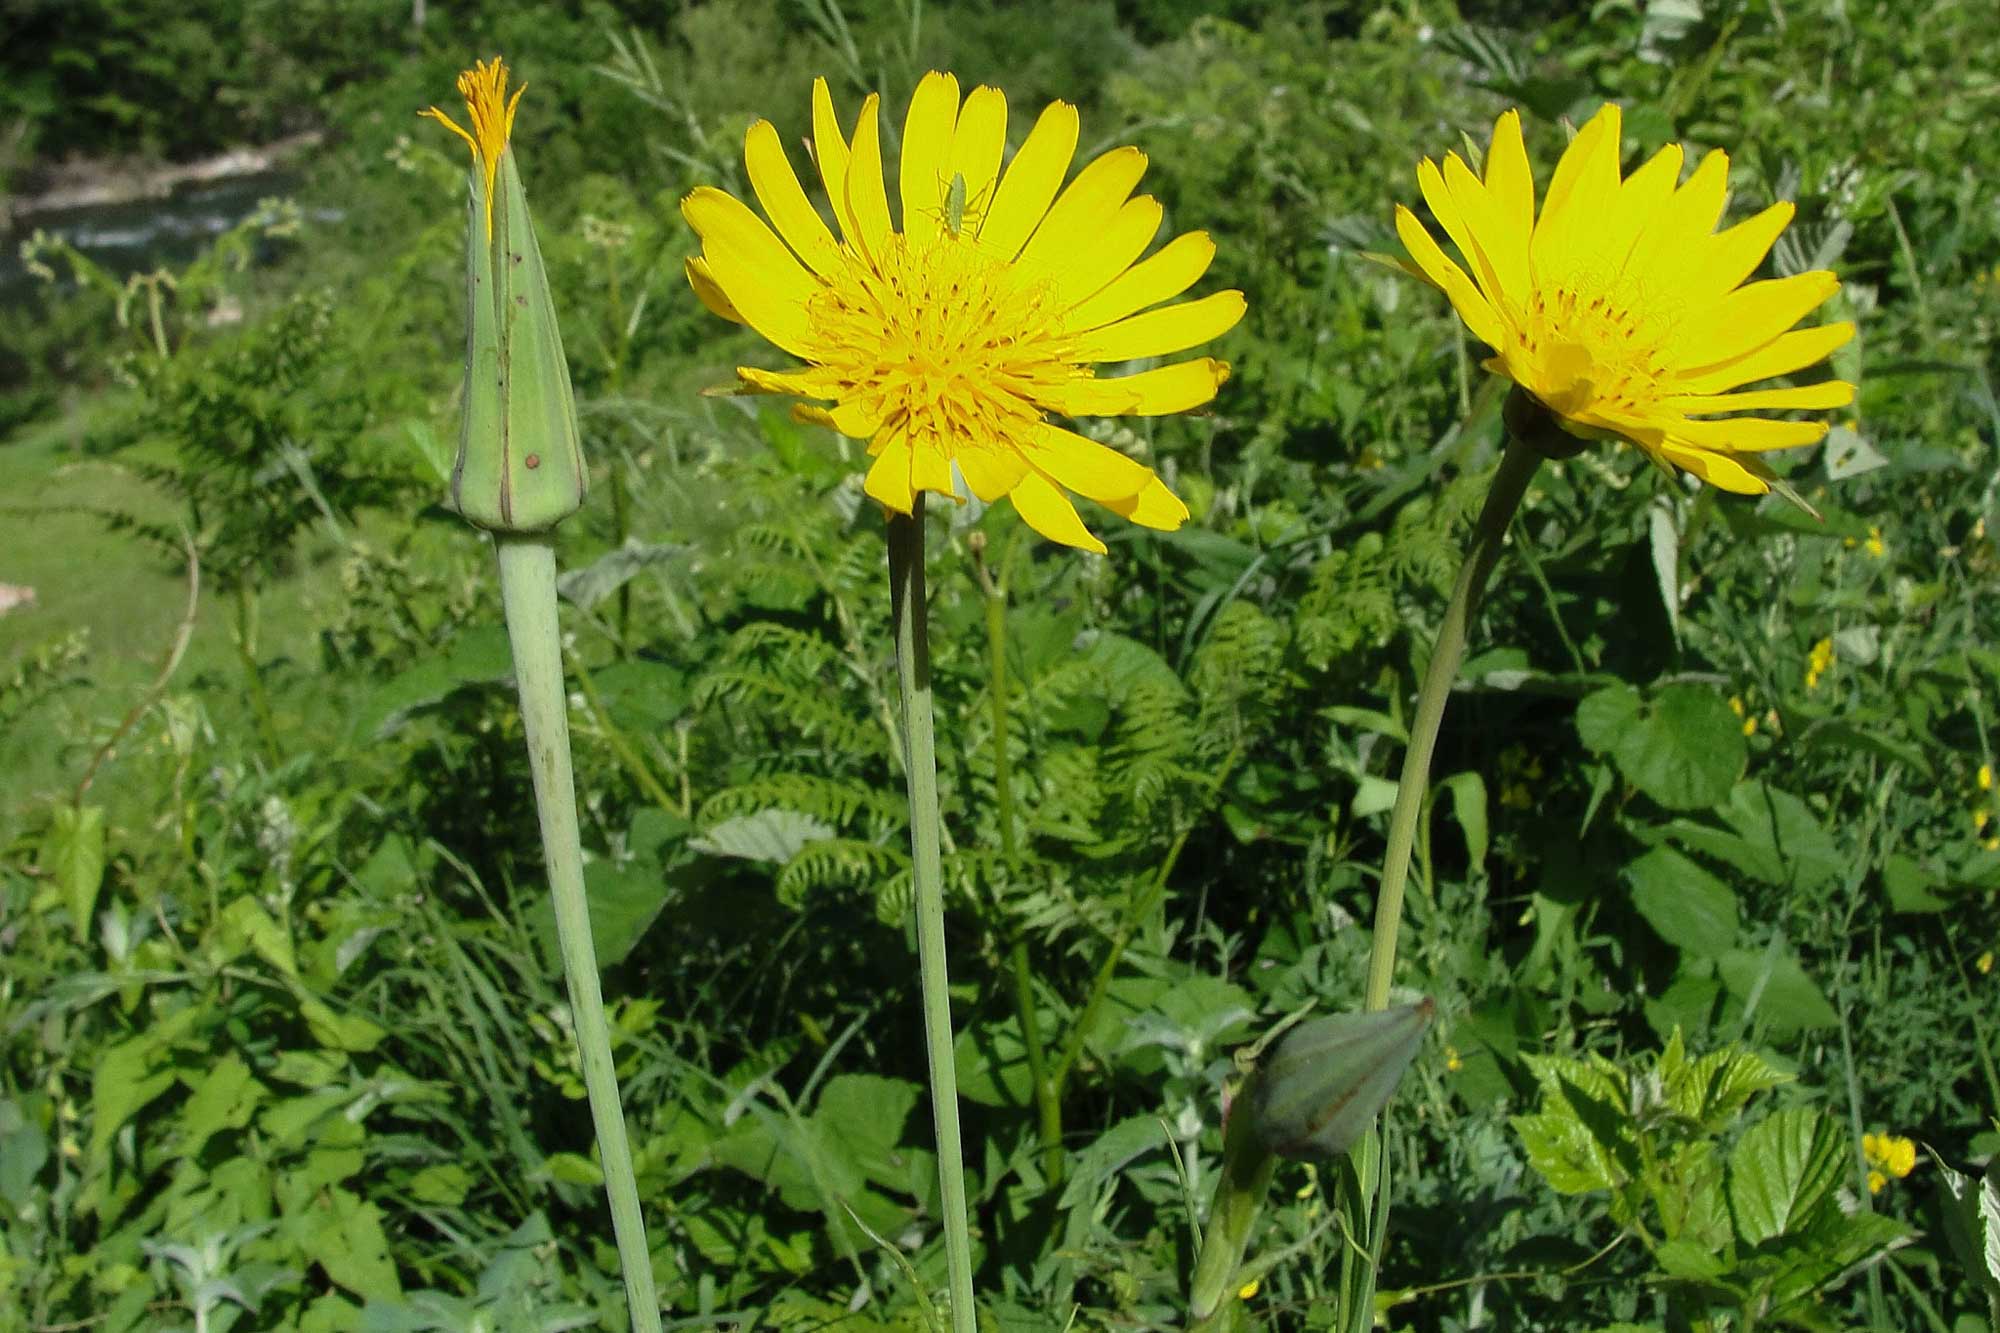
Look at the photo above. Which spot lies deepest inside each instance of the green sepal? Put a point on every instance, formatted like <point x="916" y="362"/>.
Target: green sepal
<point x="520" y="460"/>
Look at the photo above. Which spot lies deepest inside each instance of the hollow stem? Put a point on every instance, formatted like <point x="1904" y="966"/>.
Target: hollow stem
<point x="528" y="591"/>
<point x="913" y="675"/>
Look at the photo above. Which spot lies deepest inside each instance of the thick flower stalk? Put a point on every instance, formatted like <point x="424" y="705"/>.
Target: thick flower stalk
<point x="520" y="472"/>
<point x="948" y="342"/>
<point x="1620" y="309"/>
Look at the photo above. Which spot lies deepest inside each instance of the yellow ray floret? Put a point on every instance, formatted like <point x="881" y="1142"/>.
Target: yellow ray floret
<point x="945" y="334"/>
<point x="491" y="113"/>
<point x="1620" y="308"/>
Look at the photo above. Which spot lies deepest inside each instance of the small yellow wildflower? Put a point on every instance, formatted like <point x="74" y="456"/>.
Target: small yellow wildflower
<point x="1452" y="1062"/>
<point x="1248" y="1289"/>
<point x="1874" y="545"/>
<point x="1819" y="663"/>
<point x="1888" y="1155"/>
<point x="1985" y="963"/>
<point x="1979" y="819"/>
<point x="1736" y="704"/>
<point x="1991" y="844"/>
<point x="1620" y="308"/>
<point x="949" y="342"/>
<point x="1985" y="777"/>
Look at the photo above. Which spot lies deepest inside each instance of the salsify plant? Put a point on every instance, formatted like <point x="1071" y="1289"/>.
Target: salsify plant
<point x="946" y="343"/>
<point x="519" y="473"/>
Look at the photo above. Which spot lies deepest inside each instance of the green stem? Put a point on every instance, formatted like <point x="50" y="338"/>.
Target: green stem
<point x="253" y="675"/>
<point x="528" y="591"/>
<point x="913" y="674"/>
<point x="1048" y="1108"/>
<point x="1510" y="483"/>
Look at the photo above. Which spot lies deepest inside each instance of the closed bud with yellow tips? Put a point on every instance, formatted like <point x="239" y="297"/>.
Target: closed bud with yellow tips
<point x="520" y="464"/>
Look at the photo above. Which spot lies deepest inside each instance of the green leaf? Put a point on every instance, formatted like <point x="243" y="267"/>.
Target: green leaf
<point x="341" y="1031"/>
<point x="573" y="1169"/>
<point x="1782" y="1172"/>
<point x="479" y="656"/>
<point x="128" y="1076"/>
<point x="1772" y="984"/>
<point x="611" y="571"/>
<point x="624" y="901"/>
<point x="1468" y="805"/>
<point x="1910" y="886"/>
<point x="773" y="836"/>
<point x="865" y="1115"/>
<point x="245" y="925"/>
<point x="1690" y="908"/>
<point x="1566" y="1155"/>
<point x="73" y="856"/>
<point x="642" y="695"/>
<point x="24" y="1150"/>
<point x="1972" y="1224"/>
<point x="1683" y="748"/>
<point x="343" y="1235"/>
<point x="443" y="1186"/>
<point x="225" y="1098"/>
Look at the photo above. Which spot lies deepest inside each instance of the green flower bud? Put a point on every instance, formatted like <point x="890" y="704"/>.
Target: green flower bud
<point x="520" y="462"/>
<point x="1320" y="1090"/>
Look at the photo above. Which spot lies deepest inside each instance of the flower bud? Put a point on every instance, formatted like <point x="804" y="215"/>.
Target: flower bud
<point x="1319" y="1091"/>
<point x="520" y="462"/>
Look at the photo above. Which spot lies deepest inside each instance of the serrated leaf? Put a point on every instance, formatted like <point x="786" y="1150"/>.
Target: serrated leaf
<point x="479" y="656"/>
<point x="773" y="836"/>
<point x="1971" y="1215"/>
<point x="1566" y="1155"/>
<point x="1785" y="999"/>
<point x="73" y="855"/>
<point x="1781" y="1173"/>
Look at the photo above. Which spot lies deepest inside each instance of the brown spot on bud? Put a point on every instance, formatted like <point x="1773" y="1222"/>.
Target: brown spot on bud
<point x="533" y="461"/>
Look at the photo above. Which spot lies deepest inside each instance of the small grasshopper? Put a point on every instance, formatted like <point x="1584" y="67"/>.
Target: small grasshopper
<point x="956" y="207"/>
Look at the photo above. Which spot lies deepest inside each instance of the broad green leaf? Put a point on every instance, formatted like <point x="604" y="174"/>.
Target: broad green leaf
<point x="992" y="1063"/>
<point x="245" y="925"/>
<point x="223" y="1099"/>
<point x="1683" y="747"/>
<point x="479" y="656"/>
<point x="1690" y="908"/>
<point x="443" y="1186"/>
<point x="341" y="1031"/>
<point x="1566" y="1155"/>
<point x="1831" y="1246"/>
<point x="1782" y="1172"/>
<point x="624" y="901"/>
<point x="1971" y="1212"/>
<point x="1107" y="1156"/>
<point x="611" y="571"/>
<point x="573" y="1169"/>
<point x="773" y="836"/>
<point x="346" y="1240"/>
<point x="73" y="855"/>
<point x="643" y="696"/>
<point x="24" y="1150"/>
<point x="1911" y="887"/>
<point x="127" y="1076"/>
<point x="1771" y="981"/>
<point x="865" y="1115"/>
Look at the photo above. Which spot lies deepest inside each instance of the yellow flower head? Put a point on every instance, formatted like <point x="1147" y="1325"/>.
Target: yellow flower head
<point x="1889" y="1154"/>
<point x="1985" y="963"/>
<point x="491" y="111"/>
<point x="1985" y="777"/>
<point x="948" y="341"/>
<point x="1620" y="308"/>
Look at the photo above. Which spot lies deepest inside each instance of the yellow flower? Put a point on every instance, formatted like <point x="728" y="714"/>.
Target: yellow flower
<point x="1984" y="777"/>
<point x="1874" y="544"/>
<point x="947" y="342"/>
<point x="1890" y="1154"/>
<point x="1985" y="963"/>
<point x="1452" y="1061"/>
<point x="491" y="112"/>
<point x="1621" y="309"/>
<point x="1979" y="820"/>
<point x="1248" y="1289"/>
<point x="1819" y="662"/>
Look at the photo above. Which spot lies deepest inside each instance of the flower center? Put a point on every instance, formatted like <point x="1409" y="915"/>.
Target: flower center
<point x="942" y="340"/>
<point x="1591" y="352"/>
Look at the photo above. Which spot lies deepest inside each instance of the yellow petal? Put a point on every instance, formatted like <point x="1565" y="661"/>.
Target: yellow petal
<point x="708" y="292"/>
<point x="1726" y="260"/>
<point x="1151" y="393"/>
<point x="1638" y="201"/>
<point x="1748" y="318"/>
<point x="1472" y="306"/>
<point x="752" y="267"/>
<point x="1049" y="512"/>
<point x="927" y="135"/>
<point x="849" y="419"/>
<point x="830" y="151"/>
<point x="1170" y="329"/>
<point x="1092" y="470"/>
<point x="1100" y="254"/>
<point x="811" y="383"/>
<point x="1804" y="397"/>
<point x="1030" y="182"/>
<point x="990" y="473"/>
<point x="1083" y="210"/>
<point x="1444" y="207"/>
<point x="867" y="197"/>
<point x="1509" y="180"/>
<point x="1161" y="276"/>
<point x="784" y="201"/>
<point x="1717" y="469"/>
<point x="888" y="480"/>
<point x="1581" y="192"/>
<point x="976" y="147"/>
<point x="1748" y="434"/>
<point x="1682" y="225"/>
<point x="1153" y="507"/>
<point x="930" y="466"/>
<point x="1781" y="356"/>
<point x="1502" y="249"/>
